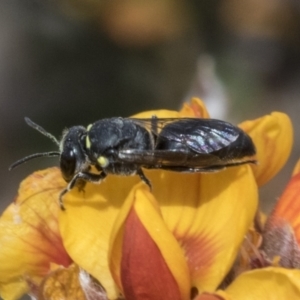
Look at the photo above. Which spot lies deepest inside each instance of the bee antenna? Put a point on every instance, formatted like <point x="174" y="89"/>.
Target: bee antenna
<point x="42" y="131"/>
<point x="32" y="156"/>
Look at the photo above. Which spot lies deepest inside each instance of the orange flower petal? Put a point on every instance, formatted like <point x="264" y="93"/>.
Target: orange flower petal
<point x="195" y="109"/>
<point x="267" y="284"/>
<point x="29" y="236"/>
<point x="141" y="260"/>
<point x="273" y="138"/>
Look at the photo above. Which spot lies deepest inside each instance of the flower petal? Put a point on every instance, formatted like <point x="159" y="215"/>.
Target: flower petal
<point x="141" y="260"/>
<point x="87" y="222"/>
<point x="273" y="138"/>
<point x="195" y="109"/>
<point x="282" y="230"/>
<point x="209" y="215"/>
<point x="268" y="283"/>
<point x="29" y="236"/>
<point x="13" y="290"/>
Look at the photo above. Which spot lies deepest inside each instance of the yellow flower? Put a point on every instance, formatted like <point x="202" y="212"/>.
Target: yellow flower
<point x="184" y="234"/>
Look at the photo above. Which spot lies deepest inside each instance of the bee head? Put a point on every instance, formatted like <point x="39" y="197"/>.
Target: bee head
<point x="73" y="158"/>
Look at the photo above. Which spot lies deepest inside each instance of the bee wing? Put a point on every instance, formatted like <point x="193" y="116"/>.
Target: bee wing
<point x="199" y="135"/>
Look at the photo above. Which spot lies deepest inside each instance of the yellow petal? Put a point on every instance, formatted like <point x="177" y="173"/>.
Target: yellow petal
<point x="155" y="270"/>
<point x="13" y="290"/>
<point x="267" y="284"/>
<point x="87" y="222"/>
<point x="209" y="215"/>
<point x="29" y="236"/>
<point x="273" y="138"/>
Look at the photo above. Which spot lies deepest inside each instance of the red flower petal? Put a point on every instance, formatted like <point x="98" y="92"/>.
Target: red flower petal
<point x="145" y="276"/>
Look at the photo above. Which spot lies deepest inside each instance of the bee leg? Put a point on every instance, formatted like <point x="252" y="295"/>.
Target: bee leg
<point x="89" y="177"/>
<point x="144" y="178"/>
<point x="95" y="178"/>
<point x="60" y="200"/>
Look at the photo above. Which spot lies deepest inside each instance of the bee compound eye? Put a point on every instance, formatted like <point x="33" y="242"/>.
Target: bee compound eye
<point x="68" y="164"/>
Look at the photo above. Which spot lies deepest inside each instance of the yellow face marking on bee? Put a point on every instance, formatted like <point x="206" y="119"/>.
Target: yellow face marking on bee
<point x="89" y="127"/>
<point x="88" y="142"/>
<point x="103" y="161"/>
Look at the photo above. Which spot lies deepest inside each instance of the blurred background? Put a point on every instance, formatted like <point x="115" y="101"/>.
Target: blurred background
<point x="72" y="62"/>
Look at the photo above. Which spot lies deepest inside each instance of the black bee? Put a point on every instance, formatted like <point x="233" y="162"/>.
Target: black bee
<point x="123" y="146"/>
